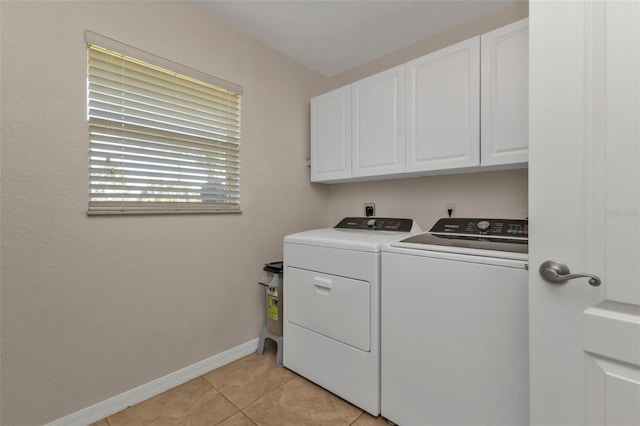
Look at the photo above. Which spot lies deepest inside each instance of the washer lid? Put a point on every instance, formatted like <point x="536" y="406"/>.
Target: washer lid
<point x="345" y="239"/>
<point x="428" y="241"/>
<point x="497" y="238"/>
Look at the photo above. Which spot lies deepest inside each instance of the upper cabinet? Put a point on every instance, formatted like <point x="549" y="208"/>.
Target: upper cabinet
<point x="461" y="108"/>
<point x="378" y="119"/>
<point x="331" y="135"/>
<point x="505" y="95"/>
<point x="443" y="108"/>
<point x="358" y="130"/>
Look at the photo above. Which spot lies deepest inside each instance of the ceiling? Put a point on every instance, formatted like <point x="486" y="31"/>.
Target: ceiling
<point x="332" y="36"/>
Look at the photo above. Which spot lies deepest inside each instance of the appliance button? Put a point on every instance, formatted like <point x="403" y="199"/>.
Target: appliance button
<point x="483" y="226"/>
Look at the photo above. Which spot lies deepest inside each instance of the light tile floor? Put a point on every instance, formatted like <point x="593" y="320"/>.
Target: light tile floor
<point x="250" y="391"/>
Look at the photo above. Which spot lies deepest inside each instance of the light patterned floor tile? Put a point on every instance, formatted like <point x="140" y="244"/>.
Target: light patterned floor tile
<point x="194" y="403"/>
<point x="300" y="402"/>
<point x="249" y="379"/>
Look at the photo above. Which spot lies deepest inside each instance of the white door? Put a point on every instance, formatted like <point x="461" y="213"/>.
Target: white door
<point x="585" y="211"/>
<point x="378" y="107"/>
<point x="443" y="108"/>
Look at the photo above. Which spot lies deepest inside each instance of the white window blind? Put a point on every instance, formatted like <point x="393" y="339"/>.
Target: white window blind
<point x="160" y="141"/>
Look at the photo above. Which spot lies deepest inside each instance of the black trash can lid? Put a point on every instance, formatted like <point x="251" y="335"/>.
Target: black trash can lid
<point x="275" y="267"/>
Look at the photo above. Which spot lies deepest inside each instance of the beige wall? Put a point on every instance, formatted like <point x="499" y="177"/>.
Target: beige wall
<point x="95" y="306"/>
<point x="519" y="9"/>
<point x="425" y="199"/>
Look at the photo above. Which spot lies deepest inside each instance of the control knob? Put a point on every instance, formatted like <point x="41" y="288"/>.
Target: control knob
<point x="371" y="223"/>
<point x="483" y="226"/>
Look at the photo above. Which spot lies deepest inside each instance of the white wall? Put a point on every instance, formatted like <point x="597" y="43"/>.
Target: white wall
<point x="95" y="306"/>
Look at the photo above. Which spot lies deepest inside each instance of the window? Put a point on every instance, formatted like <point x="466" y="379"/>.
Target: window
<point x="163" y="138"/>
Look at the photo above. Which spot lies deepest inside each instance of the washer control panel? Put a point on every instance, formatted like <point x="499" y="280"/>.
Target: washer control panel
<point x="376" y="224"/>
<point x="489" y="228"/>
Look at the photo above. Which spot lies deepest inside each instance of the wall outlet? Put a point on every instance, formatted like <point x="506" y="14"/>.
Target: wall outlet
<point x="451" y="208"/>
<point x="369" y="209"/>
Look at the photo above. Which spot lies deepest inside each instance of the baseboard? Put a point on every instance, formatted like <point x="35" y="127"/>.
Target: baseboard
<point x="111" y="406"/>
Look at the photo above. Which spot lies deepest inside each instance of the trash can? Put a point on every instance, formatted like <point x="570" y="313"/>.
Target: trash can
<point x="271" y="278"/>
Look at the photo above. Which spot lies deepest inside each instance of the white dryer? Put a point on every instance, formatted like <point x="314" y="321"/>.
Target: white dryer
<point x="332" y="305"/>
<point x="455" y="325"/>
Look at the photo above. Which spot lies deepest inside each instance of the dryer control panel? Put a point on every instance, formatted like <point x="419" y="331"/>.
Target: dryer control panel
<point x="376" y="224"/>
<point x="488" y="228"/>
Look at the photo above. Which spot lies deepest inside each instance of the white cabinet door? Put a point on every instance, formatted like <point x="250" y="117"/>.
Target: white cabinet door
<point x="443" y="108"/>
<point x="331" y="135"/>
<point x="505" y="95"/>
<point x="378" y="106"/>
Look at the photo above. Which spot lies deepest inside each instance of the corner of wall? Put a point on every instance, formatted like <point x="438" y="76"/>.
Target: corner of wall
<point x="510" y="13"/>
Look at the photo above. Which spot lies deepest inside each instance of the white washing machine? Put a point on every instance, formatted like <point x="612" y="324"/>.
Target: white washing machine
<point x="332" y="305"/>
<point x="455" y="325"/>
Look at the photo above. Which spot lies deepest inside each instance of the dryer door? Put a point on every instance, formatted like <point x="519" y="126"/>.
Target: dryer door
<point x="334" y="306"/>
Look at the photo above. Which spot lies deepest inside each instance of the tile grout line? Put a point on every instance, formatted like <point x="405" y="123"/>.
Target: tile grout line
<point x="241" y="410"/>
<point x="238" y="408"/>
<point x="267" y="394"/>
<point x="225" y="397"/>
<point x="357" y="418"/>
<point x="260" y="397"/>
<point x="229" y="401"/>
<point x="272" y="390"/>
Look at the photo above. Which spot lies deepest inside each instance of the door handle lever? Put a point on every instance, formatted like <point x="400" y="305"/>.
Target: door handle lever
<point x="557" y="272"/>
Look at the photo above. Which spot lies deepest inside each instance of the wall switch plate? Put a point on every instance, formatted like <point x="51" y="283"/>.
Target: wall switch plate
<point x="369" y="209"/>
